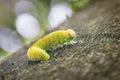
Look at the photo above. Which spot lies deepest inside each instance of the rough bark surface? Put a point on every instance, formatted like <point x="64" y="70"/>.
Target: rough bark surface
<point x="96" y="56"/>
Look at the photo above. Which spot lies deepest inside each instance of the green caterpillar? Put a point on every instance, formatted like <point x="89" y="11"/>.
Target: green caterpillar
<point x="38" y="50"/>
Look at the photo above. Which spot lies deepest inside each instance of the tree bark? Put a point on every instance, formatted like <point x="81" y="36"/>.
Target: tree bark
<point x="96" y="56"/>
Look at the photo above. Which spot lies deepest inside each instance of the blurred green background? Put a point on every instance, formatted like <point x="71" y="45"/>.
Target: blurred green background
<point x="22" y="21"/>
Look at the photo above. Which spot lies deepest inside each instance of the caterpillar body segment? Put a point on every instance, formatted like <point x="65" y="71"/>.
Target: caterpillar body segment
<point x="38" y="50"/>
<point x="53" y="39"/>
<point x="36" y="54"/>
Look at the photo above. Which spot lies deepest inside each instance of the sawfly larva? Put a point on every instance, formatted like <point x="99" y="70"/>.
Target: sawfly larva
<point x="38" y="50"/>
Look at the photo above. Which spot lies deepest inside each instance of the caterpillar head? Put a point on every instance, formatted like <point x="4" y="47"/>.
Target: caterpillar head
<point x="71" y="33"/>
<point x="37" y="54"/>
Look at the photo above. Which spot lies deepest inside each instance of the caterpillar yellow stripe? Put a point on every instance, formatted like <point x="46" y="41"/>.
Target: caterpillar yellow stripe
<point x="38" y="50"/>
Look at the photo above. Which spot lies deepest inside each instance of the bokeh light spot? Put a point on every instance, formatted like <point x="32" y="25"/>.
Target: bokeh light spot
<point x="27" y="25"/>
<point x="59" y="13"/>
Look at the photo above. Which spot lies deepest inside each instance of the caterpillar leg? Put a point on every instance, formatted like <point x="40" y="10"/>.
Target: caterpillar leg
<point x="73" y="42"/>
<point x="37" y="54"/>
